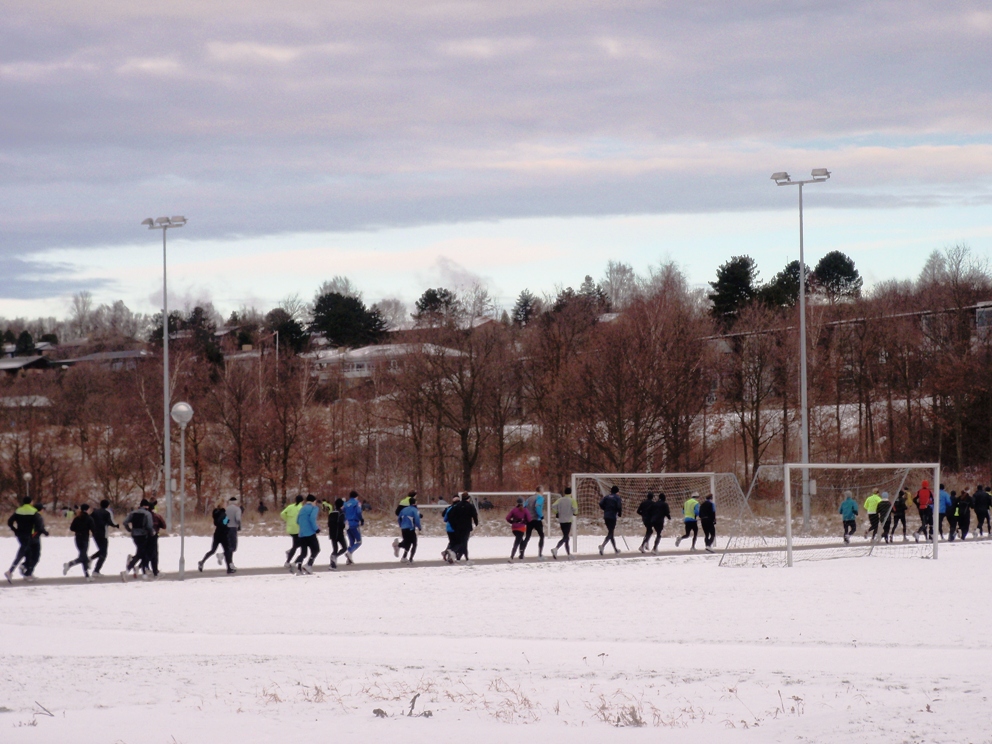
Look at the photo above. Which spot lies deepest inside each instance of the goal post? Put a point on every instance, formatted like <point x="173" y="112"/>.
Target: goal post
<point x="787" y="520"/>
<point x="589" y="488"/>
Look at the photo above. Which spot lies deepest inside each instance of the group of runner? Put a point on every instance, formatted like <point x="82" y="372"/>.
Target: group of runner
<point x="952" y="507"/>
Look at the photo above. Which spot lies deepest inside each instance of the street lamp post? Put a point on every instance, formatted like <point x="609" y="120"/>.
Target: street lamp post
<point x="163" y="224"/>
<point x="818" y="175"/>
<point x="183" y="414"/>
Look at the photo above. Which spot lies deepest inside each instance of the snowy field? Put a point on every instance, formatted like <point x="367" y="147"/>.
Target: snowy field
<point x="653" y="650"/>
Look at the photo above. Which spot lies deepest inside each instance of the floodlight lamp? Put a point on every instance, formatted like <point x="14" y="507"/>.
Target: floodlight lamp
<point x="180" y="221"/>
<point x="821" y="173"/>
<point x="780" y="177"/>
<point x="27" y="477"/>
<point x="162" y="221"/>
<point x="150" y="222"/>
<point x="182" y="413"/>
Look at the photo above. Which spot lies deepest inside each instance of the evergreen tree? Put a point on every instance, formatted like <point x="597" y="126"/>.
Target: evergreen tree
<point x="292" y="335"/>
<point x="436" y="307"/>
<point x="735" y="287"/>
<point x="25" y="344"/>
<point x="345" y="321"/>
<point x="526" y="307"/>
<point x="783" y="290"/>
<point x="836" y="276"/>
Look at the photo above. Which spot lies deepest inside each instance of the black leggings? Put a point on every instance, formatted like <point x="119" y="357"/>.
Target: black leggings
<point x="518" y="542"/>
<point x="140" y="557"/>
<point x="101" y="553"/>
<point x="409" y="543"/>
<point x="983" y="518"/>
<point x="850" y="527"/>
<point x="459" y="544"/>
<point x="657" y="538"/>
<point x="339" y="546"/>
<point x="566" y="530"/>
<point x="691" y="527"/>
<point x="896" y="519"/>
<point x="709" y="531"/>
<point x="611" y="524"/>
<point x="82" y="546"/>
<point x="220" y="541"/>
<point x="311" y="543"/>
<point x="535" y="525"/>
<point x="292" y="551"/>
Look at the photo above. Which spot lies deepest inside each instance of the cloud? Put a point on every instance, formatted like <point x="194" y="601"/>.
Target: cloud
<point x="29" y="280"/>
<point x="266" y="118"/>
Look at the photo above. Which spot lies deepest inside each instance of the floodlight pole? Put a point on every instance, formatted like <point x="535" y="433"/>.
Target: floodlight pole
<point x="163" y="224"/>
<point x="782" y="179"/>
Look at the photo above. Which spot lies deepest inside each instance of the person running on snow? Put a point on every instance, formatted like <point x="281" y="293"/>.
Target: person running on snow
<point x="871" y="509"/>
<point x="924" y="504"/>
<point x="405" y="502"/>
<point x="518" y="519"/>
<point x="885" y="516"/>
<point x="462" y="517"/>
<point x="335" y="532"/>
<point x="849" y="514"/>
<point x="690" y="513"/>
<point x="963" y="513"/>
<point x="158" y="524"/>
<point x="355" y="518"/>
<point x="102" y="519"/>
<point x="943" y="507"/>
<point x="409" y="523"/>
<point x="141" y="525"/>
<point x="535" y="506"/>
<point x="82" y="527"/>
<point x="899" y="515"/>
<point x="981" y="502"/>
<point x="448" y="554"/>
<point x="661" y="512"/>
<point x="707" y="520"/>
<point x="645" y="510"/>
<point x="289" y="515"/>
<point x="233" y="525"/>
<point x="28" y="526"/>
<point x="307" y="520"/>
<point x="219" y="517"/>
<point x="612" y="506"/>
<point x="566" y="508"/>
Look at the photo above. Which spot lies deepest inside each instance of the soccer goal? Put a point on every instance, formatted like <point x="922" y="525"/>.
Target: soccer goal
<point x="590" y="488"/>
<point x="792" y="512"/>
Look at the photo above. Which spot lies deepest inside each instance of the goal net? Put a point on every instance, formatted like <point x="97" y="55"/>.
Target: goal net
<point x="590" y="488"/>
<point x="793" y="513"/>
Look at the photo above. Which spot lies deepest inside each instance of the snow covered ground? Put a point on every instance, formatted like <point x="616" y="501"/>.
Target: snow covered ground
<point x="655" y="650"/>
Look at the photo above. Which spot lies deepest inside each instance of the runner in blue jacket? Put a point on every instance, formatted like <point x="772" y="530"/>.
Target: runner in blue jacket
<point x="354" y="517"/>
<point x="307" y="520"/>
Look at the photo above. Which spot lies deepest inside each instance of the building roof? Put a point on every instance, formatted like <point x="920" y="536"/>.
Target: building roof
<point x="15" y="363"/>
<point x="25" y="401"/>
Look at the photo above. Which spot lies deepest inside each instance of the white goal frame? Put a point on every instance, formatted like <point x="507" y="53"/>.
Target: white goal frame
<point x="712" y="476"/>
<point x="801" y="467"/>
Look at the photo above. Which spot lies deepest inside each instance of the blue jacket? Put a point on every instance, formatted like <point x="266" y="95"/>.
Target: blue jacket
<point x="535" y="505"/>
<point x="444" y="516"/>
<point x="409" y="518"/>
<point x="307" y="519"/>
<point x="848" y="509"/>
<point x="945" y="501"/>
<point x="353" y="512"/>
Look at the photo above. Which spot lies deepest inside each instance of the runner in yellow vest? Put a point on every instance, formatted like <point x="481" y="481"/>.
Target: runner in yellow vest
<point x="289" y="515"/>
<point x="871" y="508"/>
<point x="690" y="512"/>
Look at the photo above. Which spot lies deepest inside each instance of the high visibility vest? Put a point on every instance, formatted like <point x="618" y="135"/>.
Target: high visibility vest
<point x="689" y="509"/>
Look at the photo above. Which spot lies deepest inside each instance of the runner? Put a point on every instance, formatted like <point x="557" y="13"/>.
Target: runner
<point x="981" y="502"/>
<point x="140" y="524"/>
<point x="943" y="504"/>
<point x="849" y="514"/>
<point x="661" y="513"/>
<point x="707" y="520"/>
<point x="307" y="520"/>
<point x="462" y="517"/>
<point x="645" y="511"/>
<point x="871" y="509"/>
<point x="885" y="516"/>
<point x="535" y="507"/>
<point x="158" y="524"/>
<point x="409" y="523"/>
<point x="219" y="517"/>
<point x="566" y="508"/>
<point x="899" y="515"/>
<point x="965" y="502"/>
<point x="612" y="507"/>
<point x="924" y="504"/>
<point x="335" y="532"/>
<point x="690" y="512"/>
<point x="289" y="515"/>
<point x="28" y="525"/>
<point x="82" y="527"/>
<point x="233" y="525"/>
<point x="518" y="519"/>
<point x="102" y="519"/>
<point x="355" y="517"/>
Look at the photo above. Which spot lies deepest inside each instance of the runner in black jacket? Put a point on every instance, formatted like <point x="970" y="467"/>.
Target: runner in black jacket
<point x="82" y="527"/>
<point x="645" y="511"/>
<point x="658" y="517"/>
<point x="102" y="519"/>
<point x="462" y="518"/>
<point x="335" y="531"/>
<point x="707" y="520"/>
<point x="612" y="507"/>
<point x="28" y="526"/>
<point x="981" y="502"/>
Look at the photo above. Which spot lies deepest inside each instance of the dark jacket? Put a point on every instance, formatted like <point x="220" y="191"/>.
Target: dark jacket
<point x="462" y="516"/>
<point x="646" y="511"/>
<point x="981" y="501"/>
<point x="220" y="520"/>
<point x="102" y="519"/>
<point x="660" y="513"/>
<point x="158" y="523"/>
<point x="884" y="509"/>
<point x="26" y="522"/>
<point x="82" y="526"/>
<point x="139" y="522"/>
<point x="335" y="526"/>
<point x="707" y="510"/>
<point x="964" y="507"/>
<point x="899" y="506"/>
<point x="612" y="506"/>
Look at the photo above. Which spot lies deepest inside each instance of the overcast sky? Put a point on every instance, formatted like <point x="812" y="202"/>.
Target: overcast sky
<point x="524" y="143"/>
